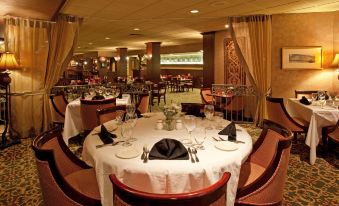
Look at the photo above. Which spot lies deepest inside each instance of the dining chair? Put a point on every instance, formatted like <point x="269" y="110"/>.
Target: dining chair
<point x="88" y="109"/>
<point x="263" y="175"/>
<point x="307" y="93"/>
<point x="330" y="137"/>
<point x="110" y="113"/>
<point x="58" y="104"/>
<point x="64" y="179"/>
<point x="277" y="112"/>
<point x="214" y="195"/>
<point x="158" y="91"/>
<point x="206" y="96"/>
<point x="143" y="103"/>
<point x="235" y="108"/>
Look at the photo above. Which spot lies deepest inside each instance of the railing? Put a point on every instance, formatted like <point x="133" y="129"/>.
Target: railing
<point x="237" y="102"/>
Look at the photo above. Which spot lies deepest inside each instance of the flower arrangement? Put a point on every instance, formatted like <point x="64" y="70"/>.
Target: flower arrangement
<point x="170" y="112"/>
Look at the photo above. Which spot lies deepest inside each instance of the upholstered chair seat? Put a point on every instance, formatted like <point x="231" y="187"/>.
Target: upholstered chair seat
<point x="85" y="182"/>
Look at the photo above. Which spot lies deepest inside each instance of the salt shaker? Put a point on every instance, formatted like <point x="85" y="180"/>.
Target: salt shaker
<point x="159" y="124"/>
<point x="178" y="124"/>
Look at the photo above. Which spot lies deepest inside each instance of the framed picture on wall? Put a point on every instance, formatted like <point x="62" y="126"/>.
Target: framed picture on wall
<point x="301" y="57"/>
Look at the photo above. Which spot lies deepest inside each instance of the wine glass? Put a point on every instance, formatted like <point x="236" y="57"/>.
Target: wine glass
<point x="130" y="108"/>
<point x="219" y="116"/>
<point x="126" y="133"/>
<point x="321" y="96"/>
<point x="314" y="97"/>
<point x="131" y="119"/>
<point x="200" y="136"/>
<point x="190" y="124"/>
<point x="209" y="112"/>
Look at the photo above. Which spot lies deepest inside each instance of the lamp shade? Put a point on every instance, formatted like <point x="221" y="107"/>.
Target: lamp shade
<point x="8" y="61"/>
<point x="335" y="62"/>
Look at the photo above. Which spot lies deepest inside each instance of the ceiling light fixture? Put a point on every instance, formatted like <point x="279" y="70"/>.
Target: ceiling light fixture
<point x="194" y="11"/>
<point x="107" y="38"/>
<point x="90" y="43"/>
<point x="136" y="29"/>
<point x="227" y="26"/>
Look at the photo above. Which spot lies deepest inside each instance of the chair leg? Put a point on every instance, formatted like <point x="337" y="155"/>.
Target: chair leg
<point x="295" y="137"/>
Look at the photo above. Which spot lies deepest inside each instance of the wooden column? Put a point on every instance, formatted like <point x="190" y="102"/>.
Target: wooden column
<point x="122" y="62"/>
<point x="208" y="56"/>
<point x="153" y="61"/>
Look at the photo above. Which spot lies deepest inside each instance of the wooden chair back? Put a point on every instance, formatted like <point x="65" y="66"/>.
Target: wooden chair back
<point x="214" y="195"/>
<point x="110" y="113"/>
<point x="58" y="104"/>
<point x="206" y="97"/>
<point x="89" y="109"/>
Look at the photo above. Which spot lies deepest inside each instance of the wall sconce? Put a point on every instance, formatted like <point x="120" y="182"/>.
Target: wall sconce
<point x="117" y="58"/>
<point x="335" y="63"/>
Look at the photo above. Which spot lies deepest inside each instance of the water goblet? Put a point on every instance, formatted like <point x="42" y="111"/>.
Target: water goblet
<point x="218" y="116"/>
<point x="190" y="124"/>
<point x="126" y="133"/>
<point x="130" y="108"/>
<point x="209" y="112"/>
<point x="131" y="119"/>
<point x="199" y="137"/>
<point x="314" y="97"/>
<point x="321" y="97"/>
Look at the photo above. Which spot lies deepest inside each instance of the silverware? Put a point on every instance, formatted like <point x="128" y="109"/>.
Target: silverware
<point x="236" y="141"/>
<point x="146" y="154"/>
<point x="143" y="152"/>
<point x="216" y="139"/>
<point x="113" y="144"/>
<point x="194" y="151"/>
<point x="190" y="152"/>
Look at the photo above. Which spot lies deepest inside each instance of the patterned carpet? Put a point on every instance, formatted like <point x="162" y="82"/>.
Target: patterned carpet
<point x="306" y="184"/>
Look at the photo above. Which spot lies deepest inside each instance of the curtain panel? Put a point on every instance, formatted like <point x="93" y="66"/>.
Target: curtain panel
<point x="34" y="44"/>
<point x="252" y="36"/>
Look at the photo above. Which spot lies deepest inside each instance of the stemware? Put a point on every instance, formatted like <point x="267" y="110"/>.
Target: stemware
<point x="314" y="97"/>
<point x="199" y="137"/>
<point x="219" y="116"/>
<point x="126" y="133"/>
<point x="321" y="97"/>
<point x="190" y="124"/>
<point x="130" y="108"/>
<point x="132" y="120"/>
<point x="209" y="112"/>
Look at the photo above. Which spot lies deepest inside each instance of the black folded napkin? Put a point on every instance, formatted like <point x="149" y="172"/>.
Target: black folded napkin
<point x="98" y="97"/>
<point x="304" y="100"/>
<point x="195" y="111"/>
<point x="105" y="136"/>
<point x="231" y="131"/>
<point x="168" y="149"/>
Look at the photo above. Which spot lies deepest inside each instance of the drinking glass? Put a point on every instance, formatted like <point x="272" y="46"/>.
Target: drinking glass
<point x="200" y="136"/>
<point x="130" y="108"/>
<point x="314" y="97"/>
<point x="126" y="133"/>
<point x="209" y="112"/>
<point x="219" y="116"/>
<point x="132" y="120"/>
<point x="190" y="124"/>
<point x="321" y="97"/>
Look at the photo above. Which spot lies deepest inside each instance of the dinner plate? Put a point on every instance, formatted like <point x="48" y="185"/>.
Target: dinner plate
<point x="226" y="146"/>
<point x="127" y="153"/>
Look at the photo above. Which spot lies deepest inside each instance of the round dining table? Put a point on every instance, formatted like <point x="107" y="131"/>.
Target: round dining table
<point x="165" y="176"/>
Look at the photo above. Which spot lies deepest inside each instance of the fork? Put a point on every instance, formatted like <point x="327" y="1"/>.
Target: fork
<point x="194" y="151"/>
<point x="190" y="152"/>
<point x="143" y="152"/>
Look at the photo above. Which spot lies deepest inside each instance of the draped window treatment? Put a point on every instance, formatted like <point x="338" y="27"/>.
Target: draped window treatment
<point x="41" y="49"/>
<point x="252" y="36"/>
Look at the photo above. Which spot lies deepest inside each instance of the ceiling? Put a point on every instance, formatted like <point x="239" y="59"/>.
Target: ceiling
<point x="110" y="24"/>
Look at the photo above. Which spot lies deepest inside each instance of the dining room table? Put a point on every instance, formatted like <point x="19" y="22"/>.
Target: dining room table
<point x="317" y="116"/>
<point x="166" y="176"/>
<point x="73" y="123"/>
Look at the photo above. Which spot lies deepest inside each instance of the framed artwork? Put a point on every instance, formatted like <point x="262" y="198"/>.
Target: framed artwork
<point x="301" y="57"/>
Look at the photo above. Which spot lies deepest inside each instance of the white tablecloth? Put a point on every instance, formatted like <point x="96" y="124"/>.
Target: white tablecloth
<point x="73" y="124"/>
<point x="318" y="118"/>
<point x="165" y="176"/>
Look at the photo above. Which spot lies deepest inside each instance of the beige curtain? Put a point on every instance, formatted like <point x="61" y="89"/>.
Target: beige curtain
<point x="28" y="40"/>
<point x="42" y="49"/>
<point x="255" y="51"/>
<point x="63" y="38"/>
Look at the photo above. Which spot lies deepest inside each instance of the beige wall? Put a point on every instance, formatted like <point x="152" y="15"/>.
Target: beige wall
<point x="312" y="29"/>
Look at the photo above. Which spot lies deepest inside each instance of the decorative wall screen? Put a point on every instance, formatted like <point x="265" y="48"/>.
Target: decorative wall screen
<point x="234" y="73"/>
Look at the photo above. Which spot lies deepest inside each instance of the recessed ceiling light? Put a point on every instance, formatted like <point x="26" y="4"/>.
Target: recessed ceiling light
<point x="90" y="43"/>
<point x="136" y="29"/>
<point x="194" y="11"/>
<point x="79" y="47"/>
<point x="107" y="38"/>
<point x="227" y="25"/>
